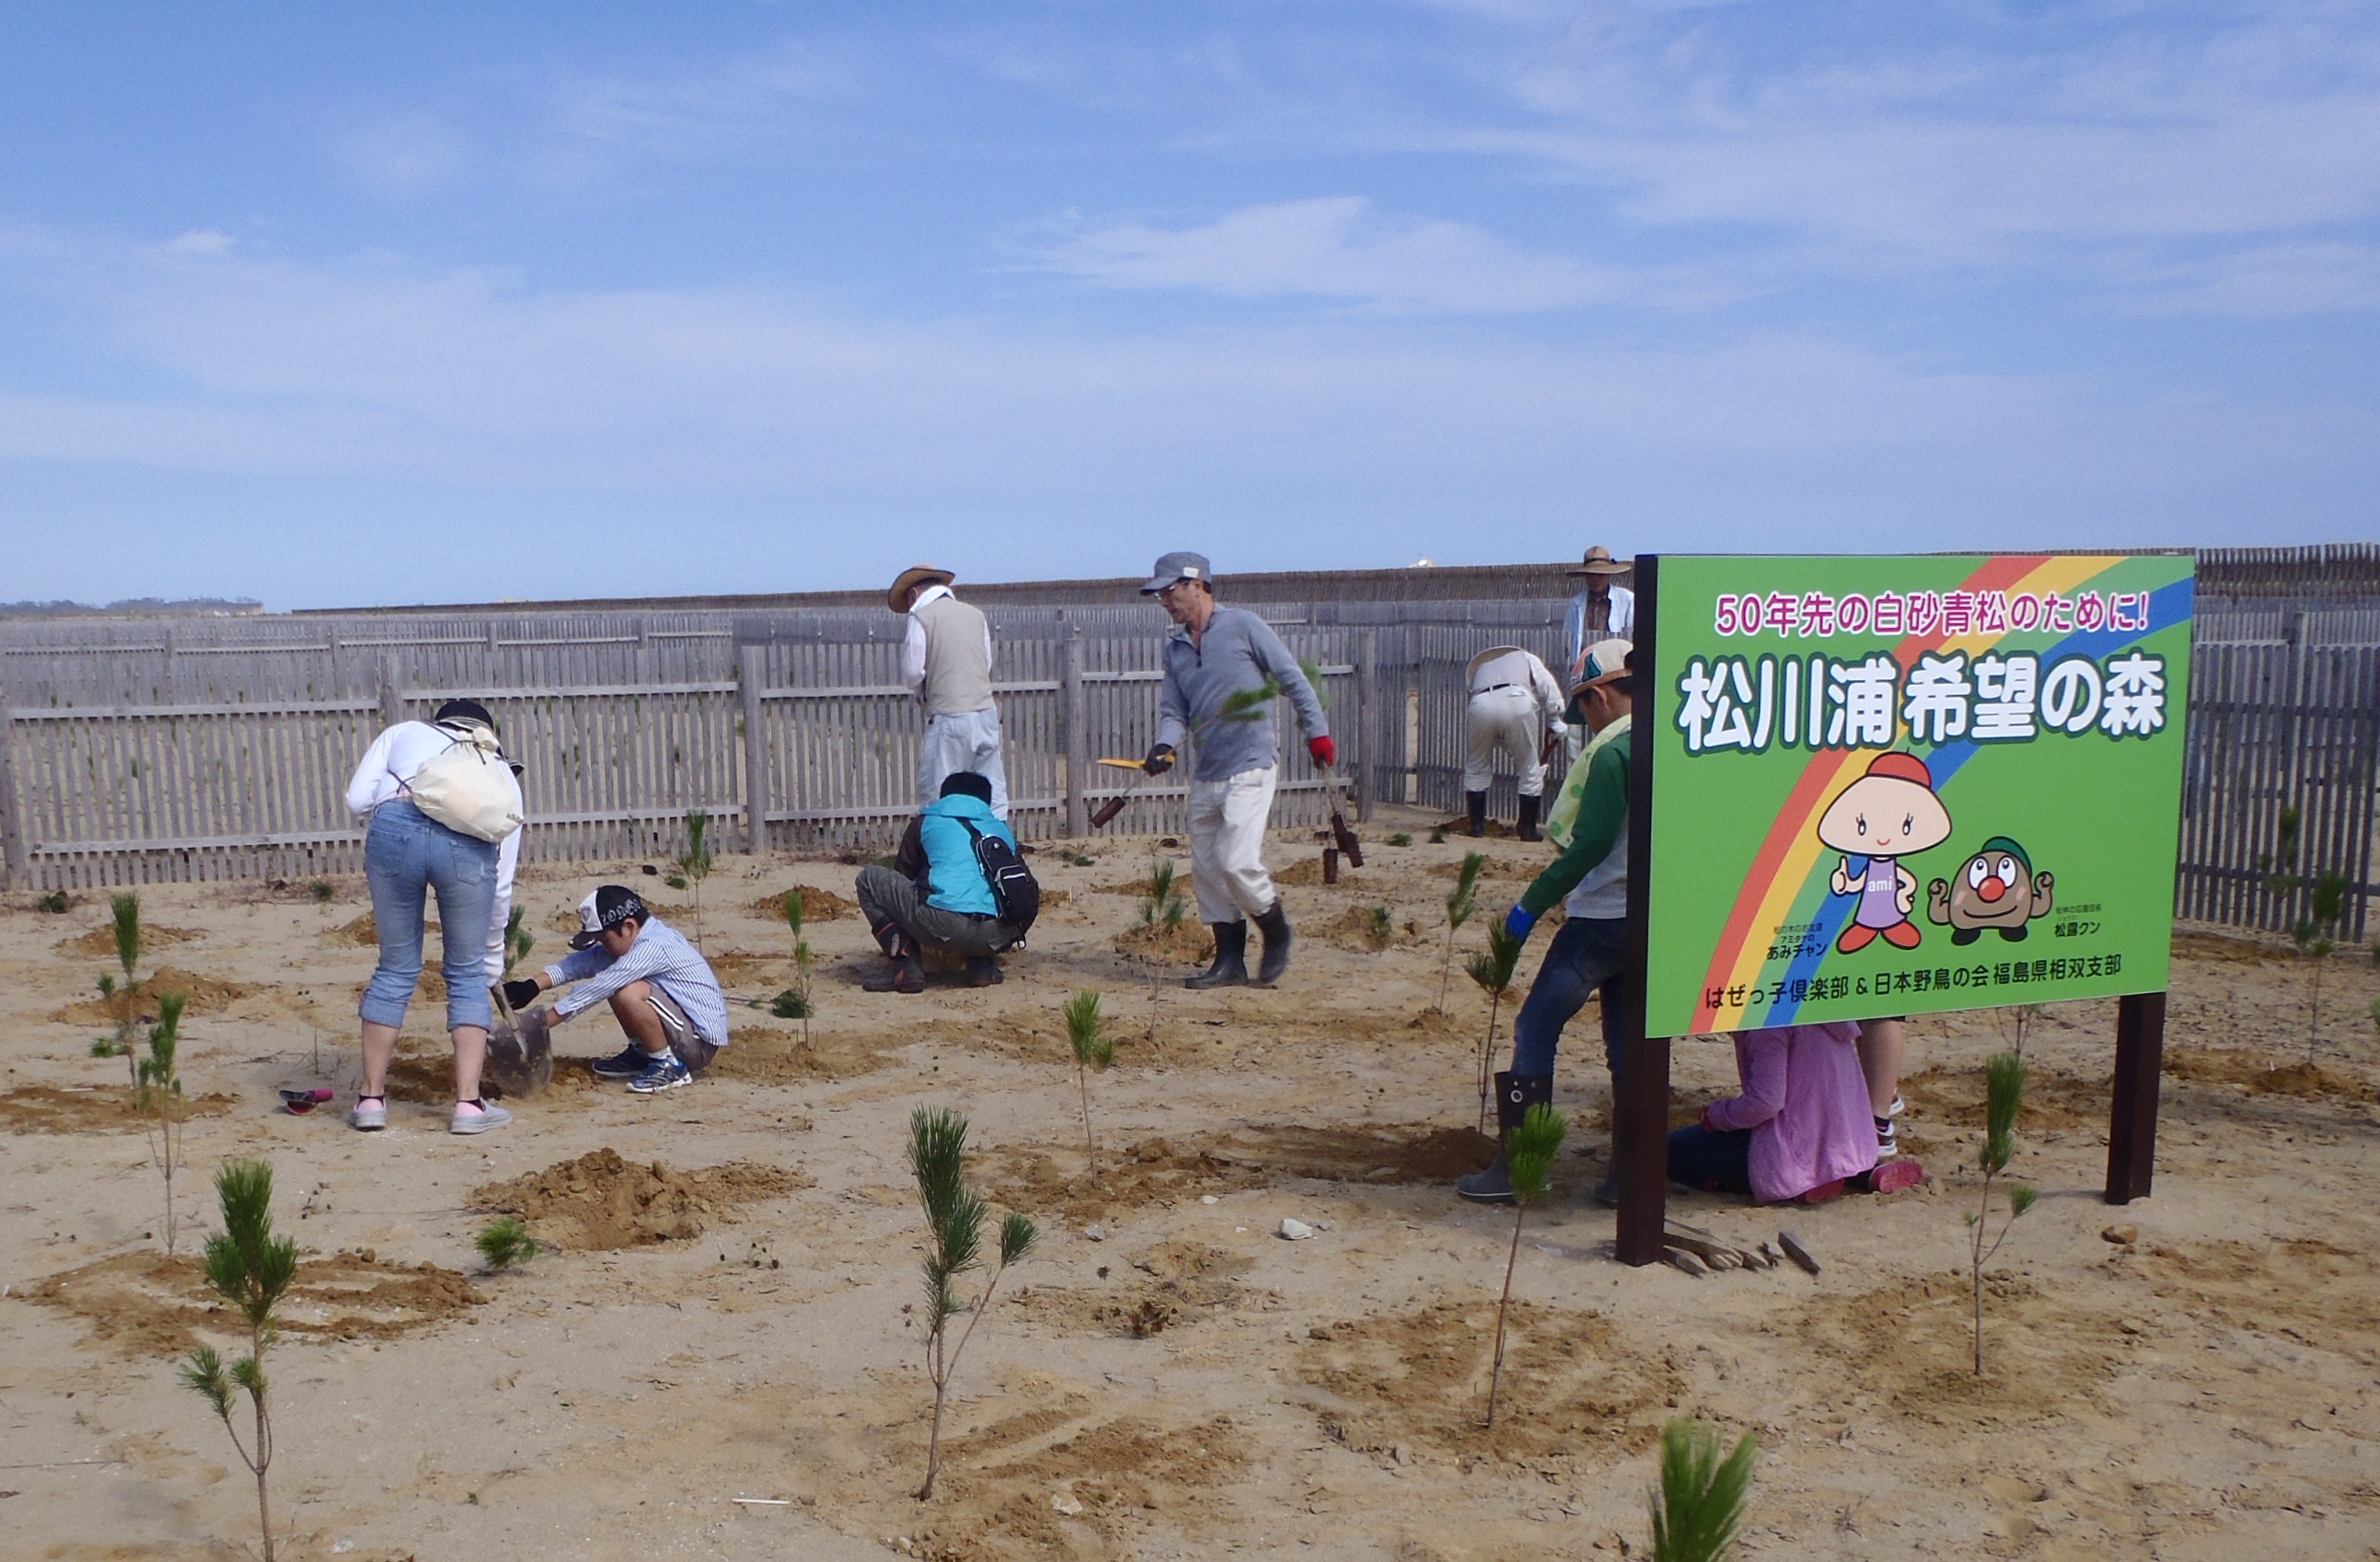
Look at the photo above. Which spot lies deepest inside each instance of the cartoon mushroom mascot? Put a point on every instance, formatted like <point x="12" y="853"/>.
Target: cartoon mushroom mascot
<point x="1995" y="889"/>
<point x="1887" y="813"/>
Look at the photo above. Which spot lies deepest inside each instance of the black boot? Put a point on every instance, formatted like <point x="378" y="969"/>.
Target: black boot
<point x="908" y="972"/>
<point x="1230" y="967"/>
<point x="983" y="970"/>
<point x="1515" y="1093"/>
<point x="1274" y="925"/>
<point x="1477" y="803"/>
<point x="1528" y="831"/>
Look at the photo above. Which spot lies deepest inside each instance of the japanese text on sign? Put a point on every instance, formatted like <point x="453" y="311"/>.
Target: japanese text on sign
<point x="1751" y="704"/>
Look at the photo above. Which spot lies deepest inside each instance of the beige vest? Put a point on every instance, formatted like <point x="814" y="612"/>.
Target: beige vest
<point x="958" y="670"/>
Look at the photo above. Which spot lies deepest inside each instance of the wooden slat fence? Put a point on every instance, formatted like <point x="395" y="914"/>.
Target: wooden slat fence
<point x="148" y="751"/>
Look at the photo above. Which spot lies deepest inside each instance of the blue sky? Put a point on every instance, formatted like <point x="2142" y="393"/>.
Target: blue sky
<point x="377" y="303"/>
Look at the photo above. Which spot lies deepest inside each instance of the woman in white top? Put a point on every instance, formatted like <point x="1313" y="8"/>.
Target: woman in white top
<point x="406" y="855"/>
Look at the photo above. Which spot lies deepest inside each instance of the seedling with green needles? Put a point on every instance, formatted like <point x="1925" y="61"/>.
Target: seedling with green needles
<point x="2315" y="938"/>
<point x="694" y="865"/>
<point x="794" y="1003"/>
<point x="1492" y="969"/>
<point x="160" y="1098"/>
<point x="1460" y="901"/>
<point x="1529" y="1151"/>
<point x="1163" y="906"/>
<point x="251" y="1269"/>
<point x="1699" y="1507"/>
<point x="503" y="1242"/>
<point x="1093" y="1052"/>
<point x="955" y="1217"/>
<point x="2003" y="1092"/>
<point x="518" y="941"/>
<point x="123" y="1002"/>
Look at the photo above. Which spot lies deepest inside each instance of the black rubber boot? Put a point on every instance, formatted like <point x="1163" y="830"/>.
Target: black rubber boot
<point x="1230" y="967"/>
<point x="1477" y="803"/>
<point x="983" y="970"/>
<point x="908" y="972"/>
<point x="1514" y="1095"/>
<point x="1528" y="830"/>
<point x="1274" y="925"/>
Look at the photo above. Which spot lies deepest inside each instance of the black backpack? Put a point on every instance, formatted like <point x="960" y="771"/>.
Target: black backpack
<point x="1014" y="888"/>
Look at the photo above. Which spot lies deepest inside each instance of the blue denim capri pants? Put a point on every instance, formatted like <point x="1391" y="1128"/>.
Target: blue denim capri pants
<point x="407" y="854"/>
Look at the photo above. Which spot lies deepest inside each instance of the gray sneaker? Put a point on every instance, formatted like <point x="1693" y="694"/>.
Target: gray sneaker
<point x="481" y="1121"/>
<point x="369" y="1118"/>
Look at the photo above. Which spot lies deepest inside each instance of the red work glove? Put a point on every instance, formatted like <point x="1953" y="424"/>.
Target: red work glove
<point x="1325" y="752"/>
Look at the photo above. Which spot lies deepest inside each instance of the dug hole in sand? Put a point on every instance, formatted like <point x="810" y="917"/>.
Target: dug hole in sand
<point x="727" y="1305"/>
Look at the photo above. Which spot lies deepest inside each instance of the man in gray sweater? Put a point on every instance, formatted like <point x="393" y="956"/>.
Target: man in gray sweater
<point x="946" y="663"/>
<point x="1213" y="654"/>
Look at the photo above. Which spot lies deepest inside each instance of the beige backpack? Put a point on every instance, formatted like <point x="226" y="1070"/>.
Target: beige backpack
<point x="469" y="786"/>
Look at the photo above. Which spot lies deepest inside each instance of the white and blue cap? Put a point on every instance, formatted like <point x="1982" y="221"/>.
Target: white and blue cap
<point x="1606" y="660"/>
<point x="607" y="907"/>
<point x="1179" y="567"/>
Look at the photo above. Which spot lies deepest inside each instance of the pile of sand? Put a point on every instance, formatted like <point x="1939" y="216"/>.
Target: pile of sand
<point x="818" y="906"/>
<point x="601" y="1201"/>
<point x="100" y="942"/>
<point x="148" y="1304"/>
<point x="206" y="995"/>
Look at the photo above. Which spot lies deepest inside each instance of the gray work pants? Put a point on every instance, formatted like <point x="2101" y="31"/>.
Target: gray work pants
<point x="886" y="895"/>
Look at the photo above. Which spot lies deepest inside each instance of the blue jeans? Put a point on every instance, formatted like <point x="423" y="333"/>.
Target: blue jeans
<point x="1588" y="956"/>
<point x="1714" y="1161"/>
<point x="407" y="854"/>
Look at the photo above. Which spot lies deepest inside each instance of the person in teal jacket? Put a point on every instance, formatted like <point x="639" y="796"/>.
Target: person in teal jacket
<point x="936" y="894"/>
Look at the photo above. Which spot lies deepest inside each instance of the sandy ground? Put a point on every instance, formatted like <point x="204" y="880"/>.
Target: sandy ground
<point x="725" y="1310"/>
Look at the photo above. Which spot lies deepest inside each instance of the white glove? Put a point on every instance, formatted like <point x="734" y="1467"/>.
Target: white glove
<point x="1558" y="728"/>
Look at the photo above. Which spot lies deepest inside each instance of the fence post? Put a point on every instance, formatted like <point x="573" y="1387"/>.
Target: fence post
<point x="1077" y="716"/>
<point x="13" y="874"/>
<point x="392" y="700"/>
<point x="1367" y="722"/>
<point x="755" y="751"/>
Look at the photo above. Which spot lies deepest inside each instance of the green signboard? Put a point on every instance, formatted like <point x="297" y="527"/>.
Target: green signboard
<point x="1904" y="785"/>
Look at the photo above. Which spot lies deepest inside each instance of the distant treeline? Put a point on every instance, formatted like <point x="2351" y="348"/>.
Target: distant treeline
<point x="191" y="608"/>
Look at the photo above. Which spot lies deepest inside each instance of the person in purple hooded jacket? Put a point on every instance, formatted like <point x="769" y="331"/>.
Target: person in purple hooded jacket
<point x="1801" y="1129"/>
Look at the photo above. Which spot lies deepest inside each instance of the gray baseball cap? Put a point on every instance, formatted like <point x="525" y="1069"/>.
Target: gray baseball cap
<point x="1179" y="566"/>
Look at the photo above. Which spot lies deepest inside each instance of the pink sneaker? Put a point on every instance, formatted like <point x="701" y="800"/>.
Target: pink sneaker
<point x="1892" y="1176"/>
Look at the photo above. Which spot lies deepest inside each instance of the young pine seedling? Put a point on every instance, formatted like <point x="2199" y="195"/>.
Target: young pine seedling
<point x="794" y="1003"/>
<point x="1163" y="906"/>
<point x="1380" y="926"/>
<point x="160" y="1098"/>
<point x="1529" y="1151"/>
<point x="694" y="865"/>
<point x="2315" y="938"/>
<point x="518" y="941"/>
<point x="955" y="1216"/>
<point x="1093" y="1052"/>
<point x="122" y="1000"/>
<point x="1699" y="1505"/>
<point x="2003" y="1092"/>
<point x="1400" y="839"/>
<point x="1492" y="969"/>
<point x="1460" y="901"/>
<point x="251" y="1269"/>
<point x="503" y="1242"/>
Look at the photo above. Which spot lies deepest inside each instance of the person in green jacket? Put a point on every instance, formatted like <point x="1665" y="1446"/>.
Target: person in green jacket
<point x="1589" y="954"/>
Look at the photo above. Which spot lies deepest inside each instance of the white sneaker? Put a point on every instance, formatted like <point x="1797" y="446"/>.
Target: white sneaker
<point x="486" y="1119"/>
<point x="371" y="1118"/>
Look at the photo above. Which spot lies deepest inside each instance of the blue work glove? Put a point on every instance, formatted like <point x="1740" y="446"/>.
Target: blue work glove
<point x="1518" y="922"/>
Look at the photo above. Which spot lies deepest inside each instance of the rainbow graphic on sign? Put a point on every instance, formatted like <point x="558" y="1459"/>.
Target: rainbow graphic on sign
<point x="1747" y="925"/>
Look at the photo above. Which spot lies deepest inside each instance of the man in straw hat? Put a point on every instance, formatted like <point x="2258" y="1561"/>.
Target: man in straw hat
<point x="1213" y="654"/>
<point x="1511" y="691"/>
<point x="1589" y="953"/>
<point x="946" y="663"/>
<point x="1601" y="611"/>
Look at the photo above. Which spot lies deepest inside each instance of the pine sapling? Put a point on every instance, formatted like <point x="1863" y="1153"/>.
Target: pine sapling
<point x="1380" y="926"/>
<point x="1460" y="901"/>
<point x="160" y="1098"/>
<point x="955" y="1216"/>
<point x="518" y="941"/>
<point x="2004" y="1092"/>
<point x="1093" y="1052"/>
<point x="123" y="1001"/>
<point x="250" y="1268"/>
<point x="2315" y="939"/>
<point x="1163" y="906"/>
<point x="503" y="1242"/>
<point x="794" y="1003"/>
<point x="1699" y="1507"/>
<point x="1529" y="1151"/>
<point x="694" y="865"/>
<point x="1492" y="969"/>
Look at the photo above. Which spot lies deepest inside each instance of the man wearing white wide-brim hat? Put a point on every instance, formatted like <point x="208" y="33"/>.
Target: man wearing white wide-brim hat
<point x="1604" y="609"/>
<point x="946" y="663"/>
<point x="1515" y="704"/>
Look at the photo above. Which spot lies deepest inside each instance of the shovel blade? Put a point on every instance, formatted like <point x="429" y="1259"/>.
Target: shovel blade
<point x="1107" y="810"/>
<point x="1349" y="847"/>
<point x="520" y="1054"/>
